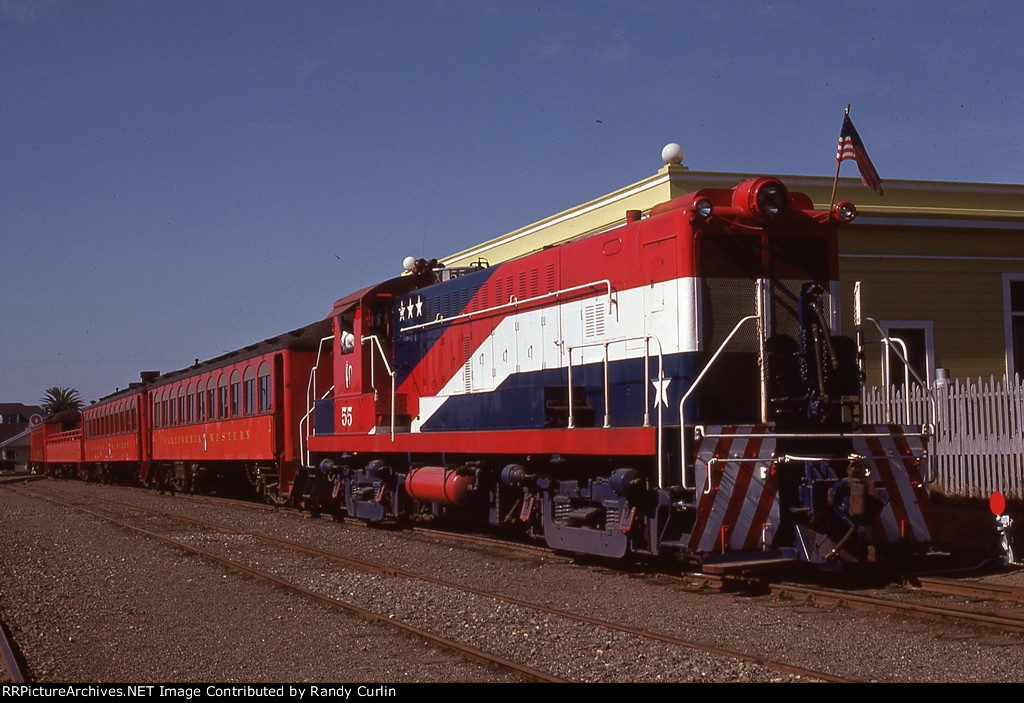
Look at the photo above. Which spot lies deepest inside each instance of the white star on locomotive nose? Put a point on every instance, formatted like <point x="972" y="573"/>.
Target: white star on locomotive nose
<point x="661" y="391"/>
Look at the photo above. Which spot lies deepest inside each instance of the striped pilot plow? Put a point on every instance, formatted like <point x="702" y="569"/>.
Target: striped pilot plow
<point x="737" y="475"/>
<point x="737" y="491"/>
<point x="895" y="455"/>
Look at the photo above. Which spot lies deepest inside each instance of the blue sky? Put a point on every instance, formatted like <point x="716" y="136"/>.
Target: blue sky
<point x="184" y="177"/>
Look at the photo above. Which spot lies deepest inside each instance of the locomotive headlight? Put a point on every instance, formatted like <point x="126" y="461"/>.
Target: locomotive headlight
<point x="761" y="198"/>
<point x="771" y="199"/>
<point x="844" y="211"/>
<point x="702" y="208"/>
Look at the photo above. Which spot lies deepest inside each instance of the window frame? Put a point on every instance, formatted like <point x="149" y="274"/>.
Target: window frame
<point x="223" y="396"/>
<point x="265" y="390"/>
<point x="928" y="327"/>
<point x="236" y="393"/>
<point x="1008" y="316"/>
<point x="249" y="391"/>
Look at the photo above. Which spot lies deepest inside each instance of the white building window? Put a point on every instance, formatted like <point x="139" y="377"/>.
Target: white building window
<point x="1013" y="322"/>
<point x="918" y="336"/>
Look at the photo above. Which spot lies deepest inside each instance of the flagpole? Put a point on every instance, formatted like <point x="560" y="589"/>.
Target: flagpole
<point x="835" y="181"/>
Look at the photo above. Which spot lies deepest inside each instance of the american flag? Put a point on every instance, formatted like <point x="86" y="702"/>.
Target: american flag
<point x="851" y="147"/>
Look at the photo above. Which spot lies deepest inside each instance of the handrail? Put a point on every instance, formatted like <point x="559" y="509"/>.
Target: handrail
<point x="64" y="437"/>
<point x="304" y="452"/>
<point x="929" y="393"/>
<point x="759" y="314"/>
<point x="663" y="401"/>
<point x="647" y="374"/>
<point x="805" y="435"/>
<point x="311" y="403"/>
<point x="373" y="383"/>
<point x="886" y="338"/>
<point x="857" y="323"/>
<point x="887" y="378"/>
<point x="604" y="362"/>
<point x="692" y="388"/>
<point x="515" y="302"/>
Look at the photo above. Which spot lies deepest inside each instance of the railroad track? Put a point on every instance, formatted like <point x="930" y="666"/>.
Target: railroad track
<point x="20" y="478"/>
<point x="1002" y="623"/>
<point x="259" y="574"/>
<point x="390" y="572"/>
<point x="12" y="671"/>
<point x="973" y="589"/>
<point x="694" y="580"/>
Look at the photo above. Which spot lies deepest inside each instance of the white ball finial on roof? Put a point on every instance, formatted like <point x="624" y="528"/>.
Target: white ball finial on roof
<point x="672" y="154"/>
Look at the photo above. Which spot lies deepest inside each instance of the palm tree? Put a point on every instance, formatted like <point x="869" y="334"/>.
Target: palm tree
<point x="56" y="399"/>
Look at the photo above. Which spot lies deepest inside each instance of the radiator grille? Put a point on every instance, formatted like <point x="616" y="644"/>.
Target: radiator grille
<point x="732" y="263"/>
<point x="728" y="300"/>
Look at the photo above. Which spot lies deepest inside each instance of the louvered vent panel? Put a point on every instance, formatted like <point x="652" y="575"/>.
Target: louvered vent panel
<point x="593" y="320"/>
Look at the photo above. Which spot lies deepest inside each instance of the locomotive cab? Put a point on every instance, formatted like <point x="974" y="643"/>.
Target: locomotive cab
<point x="364" y="399"/>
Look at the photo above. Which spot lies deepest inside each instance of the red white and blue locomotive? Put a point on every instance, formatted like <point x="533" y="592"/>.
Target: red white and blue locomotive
<point x="675" y="386"/>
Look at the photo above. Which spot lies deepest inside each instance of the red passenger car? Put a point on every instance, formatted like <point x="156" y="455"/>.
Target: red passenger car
<point x="56" y="445"/>
<point x="237" y="416"/>
<point x="116" y="439"/>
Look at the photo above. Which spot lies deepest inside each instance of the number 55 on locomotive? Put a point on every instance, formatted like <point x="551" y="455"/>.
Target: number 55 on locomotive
<point x="675" y="386"/>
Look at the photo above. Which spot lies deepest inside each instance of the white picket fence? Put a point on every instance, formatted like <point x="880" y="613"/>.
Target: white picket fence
<point x="979" y="436"/>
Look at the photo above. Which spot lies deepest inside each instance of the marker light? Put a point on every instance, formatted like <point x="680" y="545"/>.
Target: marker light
<point x="702" y="208"/>
<point x="844" y="211"/>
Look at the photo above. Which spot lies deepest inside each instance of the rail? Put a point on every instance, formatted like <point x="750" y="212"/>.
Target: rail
<point x="646" y="339"/>
<point x="702" y="433"/>
<point x="693" y="387"/>
<point x="10" y="658"/>
<point x="887" y="343"/>
<point x="373" y="381"/>
<point x="758" y="315"/>
<point x="891" y="344"/>
<point x="311" y="405"/>
<point x="66" y="437"/>
<point x="515" y="302"/>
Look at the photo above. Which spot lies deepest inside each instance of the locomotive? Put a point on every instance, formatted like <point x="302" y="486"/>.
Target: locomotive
<point x="672" y="387"/>
<point x="675" y="386"/>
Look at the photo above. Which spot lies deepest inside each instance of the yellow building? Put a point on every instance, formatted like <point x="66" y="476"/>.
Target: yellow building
<point x="941" y="263"/>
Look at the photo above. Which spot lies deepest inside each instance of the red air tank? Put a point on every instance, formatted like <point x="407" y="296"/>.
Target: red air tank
<point x="436" y="484"/>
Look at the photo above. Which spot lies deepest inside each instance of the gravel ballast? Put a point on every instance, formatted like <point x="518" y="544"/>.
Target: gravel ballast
<point x="90" y="602"/>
